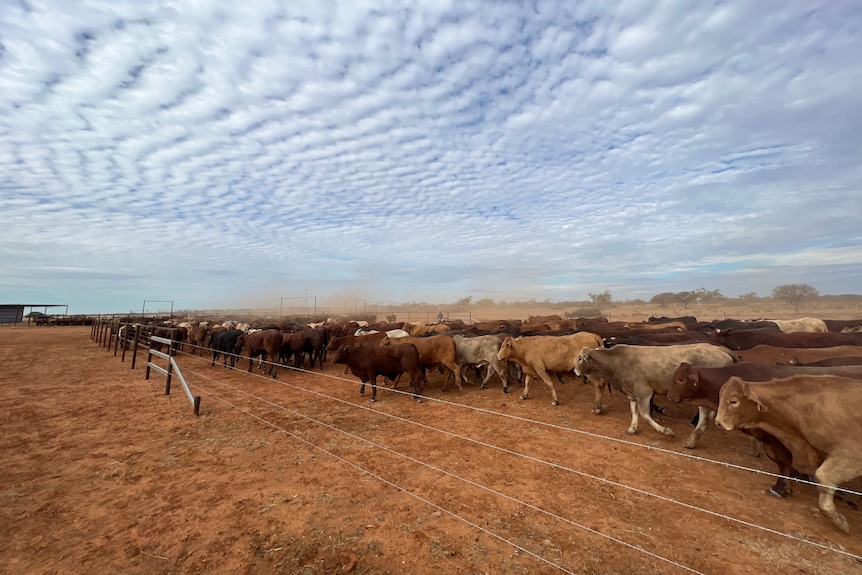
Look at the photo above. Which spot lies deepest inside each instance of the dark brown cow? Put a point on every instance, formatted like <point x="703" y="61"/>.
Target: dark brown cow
<point x="370" y="340"/>
<point x="265" y="343"/>
<point x="790" y="355"/>
<point x="391" y="361"/>
<point x="748" y="339"/>
<point x="701" y="385"/>
<point x="836" y="325"/>
<point x="816" y="417"/>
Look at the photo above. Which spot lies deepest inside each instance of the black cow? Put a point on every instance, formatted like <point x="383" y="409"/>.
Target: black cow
<point x="225" y="343"/>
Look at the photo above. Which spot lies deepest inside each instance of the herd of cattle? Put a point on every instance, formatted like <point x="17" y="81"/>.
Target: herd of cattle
<point x="794" y="386"/>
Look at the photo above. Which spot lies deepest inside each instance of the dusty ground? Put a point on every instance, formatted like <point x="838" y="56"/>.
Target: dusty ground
<point x="103" y="473"/>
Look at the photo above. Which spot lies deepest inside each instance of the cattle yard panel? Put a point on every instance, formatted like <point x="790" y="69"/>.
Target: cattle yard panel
<point x="431" y="316"/>
<point x="172" y="368"/>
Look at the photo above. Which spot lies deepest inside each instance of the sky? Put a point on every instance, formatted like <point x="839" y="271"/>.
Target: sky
<point x="221" y="154"/>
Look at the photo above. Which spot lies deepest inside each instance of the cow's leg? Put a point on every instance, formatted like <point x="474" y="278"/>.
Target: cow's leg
<point x="704" y="414"/>
<point x="633" y="405"/>
<point x="546" y="377"/>
<point x="777" y="452"/>
<point x="599" y="385"/>
<point x="416" y="382"/>
<point x="831" y="473"/>
<point x="502" y="372"/>
<point x="527" y="380"/>
<point x="456" y="371"/>
<point x="643" y="403"/>
<point x="374" y="388"/>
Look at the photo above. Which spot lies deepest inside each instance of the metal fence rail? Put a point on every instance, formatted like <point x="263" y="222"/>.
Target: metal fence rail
<point x="172" y="368"/>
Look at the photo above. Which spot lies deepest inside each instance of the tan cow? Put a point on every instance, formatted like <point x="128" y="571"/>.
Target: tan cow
<point x="816" y="417"/>
<point x="540" y="354"/>
<point x="667" y="326"/>
<point x="416" y="329"/>
<point x="803" y="324"/>
<point x="434" y="350"/>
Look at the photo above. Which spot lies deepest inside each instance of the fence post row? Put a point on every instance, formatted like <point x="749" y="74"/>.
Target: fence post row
<point x="106" y="332"/>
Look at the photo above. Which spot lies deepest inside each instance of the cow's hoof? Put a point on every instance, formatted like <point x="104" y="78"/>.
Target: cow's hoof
<point x="523" y="397"/>
<point x="373" y="400"/>
<point x="838" y="520"/>
<point x="483" y="386"/>
<point x="631" y="431"/>
<point x="596" y="411"/>
<point x="505" y="390"/>
<point x="555" y="402"/>
<point x="774" y="493"/>
<point x="669" y="431"/>
<point x="690" y="443"/>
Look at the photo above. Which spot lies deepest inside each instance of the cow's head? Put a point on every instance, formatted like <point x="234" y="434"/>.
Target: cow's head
<point x="685" y="381"/>
<point x="505" y="349"/>
<point x="583" y="361"/>
<point x="738" y="405"/>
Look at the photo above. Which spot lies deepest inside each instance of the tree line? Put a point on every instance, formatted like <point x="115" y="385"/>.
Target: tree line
<point x="793" y="294"/>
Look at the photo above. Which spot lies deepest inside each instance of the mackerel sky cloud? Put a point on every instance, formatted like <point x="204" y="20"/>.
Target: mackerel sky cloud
<point x="225" y="154"/>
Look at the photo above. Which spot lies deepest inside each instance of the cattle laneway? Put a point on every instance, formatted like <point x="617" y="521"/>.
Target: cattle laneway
<point x="103" y="472"/>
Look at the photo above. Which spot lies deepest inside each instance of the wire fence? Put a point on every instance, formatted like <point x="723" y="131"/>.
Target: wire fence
<point x="208" y="385"/>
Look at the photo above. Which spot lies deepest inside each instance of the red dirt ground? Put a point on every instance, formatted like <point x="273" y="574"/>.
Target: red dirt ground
<point x="104" y="473"/>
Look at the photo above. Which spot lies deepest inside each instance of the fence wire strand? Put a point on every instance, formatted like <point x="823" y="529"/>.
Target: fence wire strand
<point x="531" y="458"/>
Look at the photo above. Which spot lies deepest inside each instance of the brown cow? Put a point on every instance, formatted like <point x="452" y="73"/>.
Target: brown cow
<point x="265" y="343"/>
<point x="197" y="339"/>
<point x="701" y="385"/>
<point x="816" y="417"/>
<point x="391" y="361"/>
<point x="540" y="354"/>
<point x="537" y="319"/>
<point x="433" y="351"/>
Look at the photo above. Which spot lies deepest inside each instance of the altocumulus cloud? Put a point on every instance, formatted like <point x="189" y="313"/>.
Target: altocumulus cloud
<point x="225" y="154"/>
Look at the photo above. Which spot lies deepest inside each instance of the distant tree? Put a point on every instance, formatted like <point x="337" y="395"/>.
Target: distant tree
<point x="794" y="294"/>
<point x="464" y="302"/>
<point x="485" y="302"/>
<point x="601" y="299"/>
<point x="663" y="299"/>
<point x="703" y="295"/>
<point x="750" y="296"/>
<point x="685" y="298"/>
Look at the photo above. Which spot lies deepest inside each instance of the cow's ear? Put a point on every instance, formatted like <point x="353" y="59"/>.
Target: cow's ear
<point x="692" y="377"/>
<point x="751" y="395"/>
